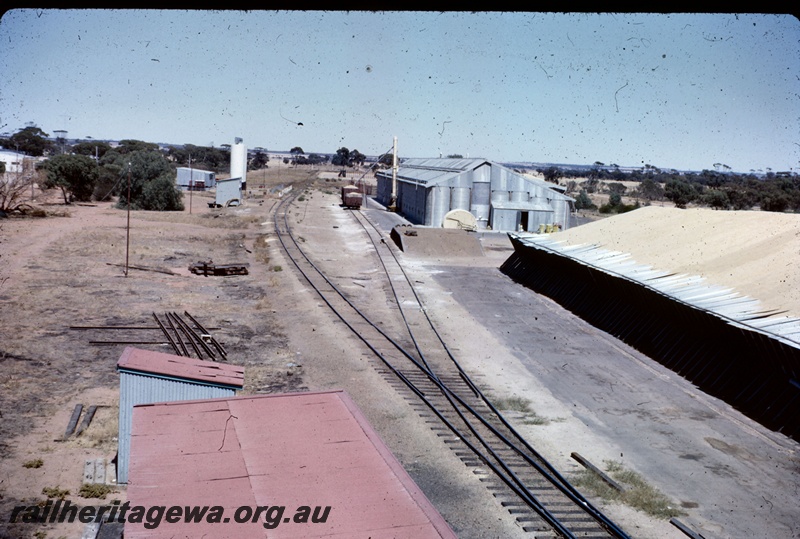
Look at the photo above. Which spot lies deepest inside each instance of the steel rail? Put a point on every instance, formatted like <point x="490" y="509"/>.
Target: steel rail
<point x="523" y="494"/>
<point x="518" y="487"/>
<point x="571" y="491"/>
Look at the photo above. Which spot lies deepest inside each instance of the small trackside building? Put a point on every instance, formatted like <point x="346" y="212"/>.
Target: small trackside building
<point x="147" y="377"/>
<point x="499" y="198"/>
<point x="282" y="465"/>
<point x="195" y="179"/>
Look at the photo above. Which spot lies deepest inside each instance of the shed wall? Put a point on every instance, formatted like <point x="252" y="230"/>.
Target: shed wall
<point x="142" y="389"/>
<point x="228" y="190"/>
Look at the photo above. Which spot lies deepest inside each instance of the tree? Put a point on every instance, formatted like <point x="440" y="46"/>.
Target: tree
<point x="717" y="199"/>
<point x="617" y="188"/>
<point x="552" y="174"/>
<point x="583" y="202"/>
<point x="342" y="157"/>
<point x="680" y="192"/>
<point x="131" y="145"/>
<point x="260" y="160"/>
<point x="91" y="149"/>
<point x="356" y="158"/>
<point x="30" y="140"/>
<point x="650" y="190"/>
<point x="146" y="166"/>
<point x="75" y="175"/>
<point x="161" y="194"/>
<point x="14" y="188"/>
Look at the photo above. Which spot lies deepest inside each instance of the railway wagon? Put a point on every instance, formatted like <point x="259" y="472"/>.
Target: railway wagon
<point x="351" y="197"/>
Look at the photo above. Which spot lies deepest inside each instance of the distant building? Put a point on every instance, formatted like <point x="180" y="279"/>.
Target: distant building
<point x="498" y="198"/>
<point x="199" y="180"/>
<point x="13" y="160"/>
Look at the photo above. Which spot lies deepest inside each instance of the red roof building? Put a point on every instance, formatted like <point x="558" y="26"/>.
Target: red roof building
<point x="301" y="465"/>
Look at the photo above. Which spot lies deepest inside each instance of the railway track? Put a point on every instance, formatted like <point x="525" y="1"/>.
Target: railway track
<point x="421" y="367"/>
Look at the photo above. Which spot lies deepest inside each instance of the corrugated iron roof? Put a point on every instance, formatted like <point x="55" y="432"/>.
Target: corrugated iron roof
<point x="179" y="367"/>
<point x="723" y="302"/>
<point x="291" y="450"/>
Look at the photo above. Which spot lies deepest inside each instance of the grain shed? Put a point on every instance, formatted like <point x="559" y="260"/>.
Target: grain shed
<point x="498" y="197"/>
<point x="314" y="450"/>
<point x="147" y="377"/>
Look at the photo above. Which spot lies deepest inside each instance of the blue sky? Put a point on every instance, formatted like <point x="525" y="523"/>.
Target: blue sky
<point x="672" y="90"/>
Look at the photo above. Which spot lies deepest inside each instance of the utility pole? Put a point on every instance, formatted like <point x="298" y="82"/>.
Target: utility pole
<point x="393" y="198"/>
<point x="191" y="184"/>
<point x="128" y="238"/>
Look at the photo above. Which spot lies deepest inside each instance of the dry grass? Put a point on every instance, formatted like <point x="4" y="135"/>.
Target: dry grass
<point x="521" y="405"/>
<point x="55" y="492"/>
<point x="95" y="491"/>
<point x="638" y="493"/>
<point x="103" y="431"/>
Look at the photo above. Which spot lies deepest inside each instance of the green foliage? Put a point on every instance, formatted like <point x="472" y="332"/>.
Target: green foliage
<point x="615" y="205"/>
<point x="161" y="194"/>
<point x="341" y="158"/>
<point x="75" y="175"/>
<point x="717" y="199"/>
<point x="30" y="140"/>
<point x="131" y="145"/>
<point x="583" y="202"/>
<point x="91" y="148"/>
<point x="553" y="174"/>
<point x="776" y="201"/>
<point x="680" y="192"/>
<point x="146" y="167"/>
<point x="259" y="160"/>
<point x="650" y="190"/>
<point x="617" y="188"/>
<point x="35" y="463"/>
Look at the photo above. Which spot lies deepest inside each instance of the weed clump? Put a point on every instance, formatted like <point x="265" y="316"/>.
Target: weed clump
<point x="95" y="491"/>
<point x="55" y="492"/>
<point x="637" y="494"/>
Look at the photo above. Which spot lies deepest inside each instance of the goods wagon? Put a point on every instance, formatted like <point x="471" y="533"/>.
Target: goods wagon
<point x="351" y="197"/>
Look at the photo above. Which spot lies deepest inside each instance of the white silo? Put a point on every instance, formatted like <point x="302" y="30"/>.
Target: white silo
<point x="239" y="161"/>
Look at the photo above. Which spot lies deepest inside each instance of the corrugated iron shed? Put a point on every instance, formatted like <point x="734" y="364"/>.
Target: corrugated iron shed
<point x="427" y="189"/>
<point x="287" y="450"/>
<point x="147" y="377"/>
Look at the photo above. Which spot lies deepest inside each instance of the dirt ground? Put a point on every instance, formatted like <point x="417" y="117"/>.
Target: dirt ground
<point x="68" y="270"/>
<point x="65" y="271"/>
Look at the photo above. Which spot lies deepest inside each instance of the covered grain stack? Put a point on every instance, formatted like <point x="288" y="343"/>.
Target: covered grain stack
<point x="147" y="377"/>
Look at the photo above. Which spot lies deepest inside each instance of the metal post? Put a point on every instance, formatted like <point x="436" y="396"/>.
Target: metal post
<point x="128" y="237"/>
<point x="191" y="184"/>
<point x="393" y="197"/>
